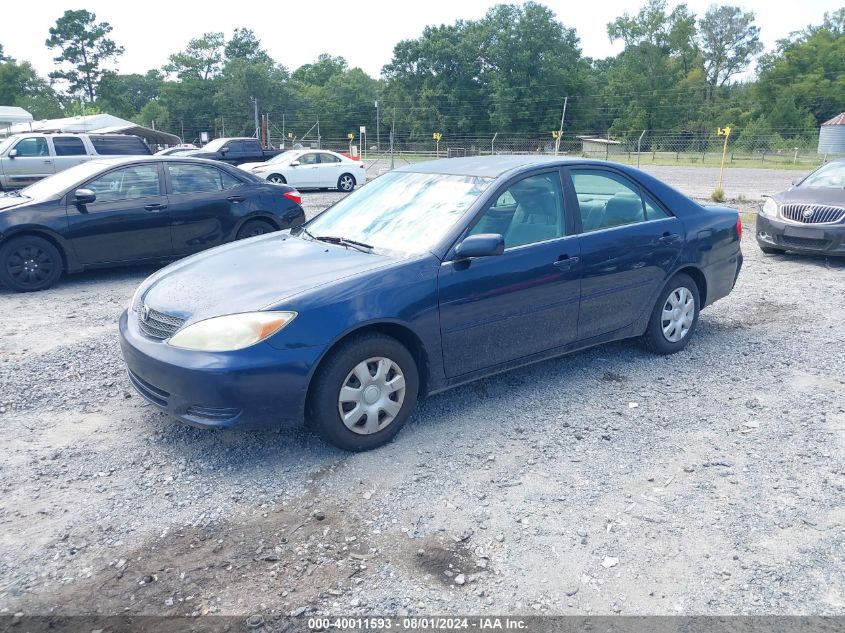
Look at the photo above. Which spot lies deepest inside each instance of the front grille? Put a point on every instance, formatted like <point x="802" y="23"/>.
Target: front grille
<point x="153" y="394"/>
<point x="804" y="242"/>
<point x="156" y="324"/>
<point x="812" y="213"/>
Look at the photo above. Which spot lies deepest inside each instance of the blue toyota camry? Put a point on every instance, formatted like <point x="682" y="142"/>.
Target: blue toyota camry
<point x="430" y="276"/>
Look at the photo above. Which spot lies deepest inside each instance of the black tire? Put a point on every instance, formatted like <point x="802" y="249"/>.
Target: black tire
<point x="29" y="263"/>
<point x="654" y="338"/>
<point x="324" y="400"/>
<point x="252" y="228"/>
<point x="769" y="250"/>
<point x="346" y="182"/>
<point x="277" y="179"/>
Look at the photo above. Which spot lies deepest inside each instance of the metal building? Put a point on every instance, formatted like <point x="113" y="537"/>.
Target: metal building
<point x="832" y="135"/>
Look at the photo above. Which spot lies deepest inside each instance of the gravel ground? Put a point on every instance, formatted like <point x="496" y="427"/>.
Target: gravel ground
<point x="610" y="481"/>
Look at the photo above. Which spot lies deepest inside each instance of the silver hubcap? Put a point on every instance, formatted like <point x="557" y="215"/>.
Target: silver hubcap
<point x="678" y="314"/>
<point x="346" y="182"/>
<point x="371" y="395"/>
<point x="276" y="179"/>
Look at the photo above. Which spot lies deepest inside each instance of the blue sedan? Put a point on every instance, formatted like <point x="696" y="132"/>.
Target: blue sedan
<point x="430" y="276"/>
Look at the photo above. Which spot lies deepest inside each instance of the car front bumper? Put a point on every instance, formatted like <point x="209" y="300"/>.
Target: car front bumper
<point x="257" y="387"/>
<point x="823" y="239"/>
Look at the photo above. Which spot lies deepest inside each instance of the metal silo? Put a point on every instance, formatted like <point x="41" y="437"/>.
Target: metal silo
<point x="832" y="136"/>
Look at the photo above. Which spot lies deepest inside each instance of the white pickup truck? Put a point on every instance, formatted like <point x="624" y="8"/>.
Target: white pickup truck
<point x="26" y="158"/>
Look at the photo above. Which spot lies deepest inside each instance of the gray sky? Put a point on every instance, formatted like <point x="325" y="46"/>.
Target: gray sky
<point x="364" y="32"/>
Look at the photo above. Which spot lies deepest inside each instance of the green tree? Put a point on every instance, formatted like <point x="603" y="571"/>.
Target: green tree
<point x="126" y="95"/>
<point x="3" y="57"/>
<point x="811" y="63"/>
<point x="21" y="86"/>
<point x="320" y="72"/>
<point x="729" y="40"/>
<point x="202" y="59"/>
<point x="84" y="45"/>
<point x="244" y="45"/>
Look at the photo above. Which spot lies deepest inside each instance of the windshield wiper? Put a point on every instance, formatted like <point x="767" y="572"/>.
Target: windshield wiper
<point x="343" y="241"/>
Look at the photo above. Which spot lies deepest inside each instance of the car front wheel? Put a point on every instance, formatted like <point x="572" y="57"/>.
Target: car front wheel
<point x="29" y="263"/>
<point x="674" y="317"/>
<point x="364" y="392"/>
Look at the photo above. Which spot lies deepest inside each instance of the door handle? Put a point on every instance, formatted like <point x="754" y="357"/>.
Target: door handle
<point x="235" y="198"/>
<point x="668" y="238"/>
<point x="48" y="162"/>
<point x="155" y="207"/>
<point x="565" y="262"/>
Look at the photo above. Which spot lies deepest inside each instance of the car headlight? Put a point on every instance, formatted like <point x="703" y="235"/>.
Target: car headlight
<point x="231" y="332"/>
<point x="770" y="207"/>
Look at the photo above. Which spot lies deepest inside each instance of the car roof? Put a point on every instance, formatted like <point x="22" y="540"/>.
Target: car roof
<point x="144" y="158"/>
<point x="490" y="166"/>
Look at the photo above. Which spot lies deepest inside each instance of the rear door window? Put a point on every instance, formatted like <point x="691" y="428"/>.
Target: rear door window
<point x="69" y="146"/>
<point x="188" y="178"/>
<point x="607" y="199"/>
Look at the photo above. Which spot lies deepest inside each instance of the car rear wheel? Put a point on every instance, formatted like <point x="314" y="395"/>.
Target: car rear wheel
<point x="29" y="263"/>
<point x="253" y="228"/>
<point x="277" y="179"/>
<point x="364" y="392"/>
<point x="768" y="250"/>
<point x="674" y="317"/>
<point x="346" y="182"/>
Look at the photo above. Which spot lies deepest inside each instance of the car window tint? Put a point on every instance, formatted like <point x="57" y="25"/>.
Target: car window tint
<point x="68" y="146"/>
<point x="530" y="210"/>
<point x="32" y="146"/>
<point x="606" y="200"/>
<point x="188" y="178"/>
<point x="251" y="146"/>
<point x="128" y="183"/>
<point x="119" y="145"/>
<point x="329" y="158"/>
<point x="308" y="159"/>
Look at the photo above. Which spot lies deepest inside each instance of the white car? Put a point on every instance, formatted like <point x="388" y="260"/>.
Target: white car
<point x="311" y="169"/>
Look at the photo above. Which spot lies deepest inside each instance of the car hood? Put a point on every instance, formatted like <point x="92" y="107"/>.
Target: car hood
<point x="812" y="195"/>
<point x="249" y="166"/>
<point x="251" y="275"/>
<point x="8" y="201"/>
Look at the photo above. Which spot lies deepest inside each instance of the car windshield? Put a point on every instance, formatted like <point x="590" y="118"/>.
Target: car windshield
<point x="401" y="211"/>
<point x="64" y="180"/>
<point x="6" y="142"/>
<point x="278" y="158"/>
<point x="831" y="175"/>
<point x="213" y="146"/>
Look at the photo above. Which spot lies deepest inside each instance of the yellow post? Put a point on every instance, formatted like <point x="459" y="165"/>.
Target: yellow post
<point x="726" y="132"/>
<point x="350" y="136"/>
<point x="436" y="136"/>
<point x="556" y="136"/>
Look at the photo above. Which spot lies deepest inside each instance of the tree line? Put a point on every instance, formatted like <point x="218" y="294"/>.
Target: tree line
<point x="507" y="73"/>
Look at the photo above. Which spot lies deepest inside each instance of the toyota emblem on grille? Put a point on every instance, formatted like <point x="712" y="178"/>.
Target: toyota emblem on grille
<point x="145" y="312"/>
<point x="808" y="213"/>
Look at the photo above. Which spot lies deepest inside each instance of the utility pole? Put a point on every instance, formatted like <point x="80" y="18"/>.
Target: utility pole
<point x="319" y="140"/>
<point x="639" y="142"/>
<point x="182" y="123"/>
<point x="560" y="131"/>
<point x="378" y="134"/>
<point x="392" y="130"/>
<point x="493" y="143"/>
<point x="257" y="125"/>
<point x="284" y="138"/>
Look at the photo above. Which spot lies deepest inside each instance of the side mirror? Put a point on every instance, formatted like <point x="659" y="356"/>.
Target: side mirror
<point x="295" y="163"/>
<point x="13" y="153"/>
<point x="224" y="150"/>
<point x="482" y="245"/>
<point x="84" y="196"/>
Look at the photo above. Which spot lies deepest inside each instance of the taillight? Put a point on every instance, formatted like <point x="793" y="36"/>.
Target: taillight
<point x="738" y="227"/>
<point x="293" y="195"/>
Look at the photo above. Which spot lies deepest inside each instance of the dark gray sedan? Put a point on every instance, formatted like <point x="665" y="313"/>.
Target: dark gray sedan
<point x="809" y="217"/>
